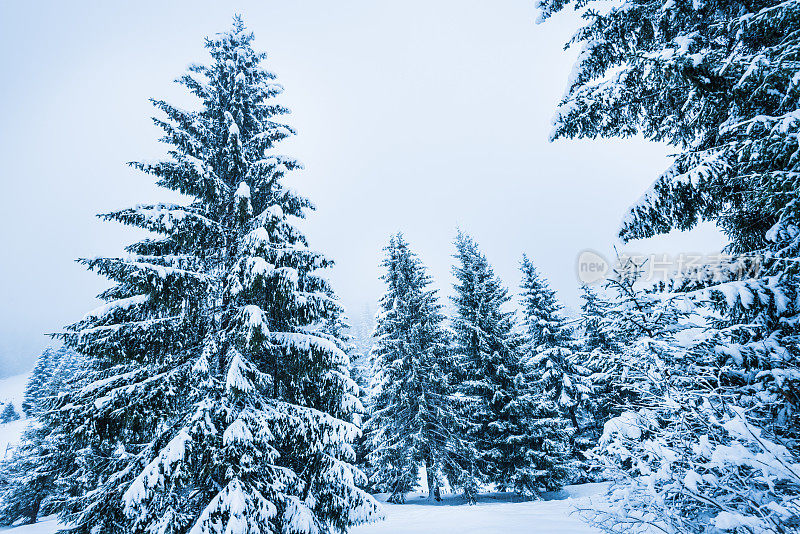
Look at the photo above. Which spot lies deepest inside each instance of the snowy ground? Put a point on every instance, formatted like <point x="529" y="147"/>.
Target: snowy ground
<point x="494" y="514"/>
<point x="46" y="526"/>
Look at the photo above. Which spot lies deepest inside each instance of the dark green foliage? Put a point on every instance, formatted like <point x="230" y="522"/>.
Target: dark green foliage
<point x="411" y="411"/>
<point x="219" y="393"/>
<point x="557" y="384"/>
<point x="8" y="413"/>
<point x="594" y="323"/>
<point x="34" y="471"/>
<point x="719" y="80"/>
<point x="496" y="444"/>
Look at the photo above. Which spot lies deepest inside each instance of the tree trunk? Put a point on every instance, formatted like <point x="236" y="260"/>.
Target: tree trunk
<point x="33" y="513"/>
<point x="433" y="484"/>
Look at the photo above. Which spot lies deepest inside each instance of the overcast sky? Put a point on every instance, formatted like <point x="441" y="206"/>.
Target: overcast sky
<point x="414" y="115"/>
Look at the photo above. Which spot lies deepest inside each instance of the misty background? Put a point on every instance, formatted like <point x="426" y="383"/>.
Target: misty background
<point x="413" y="116"/>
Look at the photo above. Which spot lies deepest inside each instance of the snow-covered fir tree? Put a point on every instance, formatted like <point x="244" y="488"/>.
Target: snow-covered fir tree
<point x="27" y="477"/>
<point x="221" y="399"/>
<point x="495" y="443"/>
<point x="602" y="356"/>
<point x="558" y="388"/>
<point x="33" y="473"/>
<point x="682" y="444"/>
<point x="719" y="81"/>
<point x="594" y="334"/>
<point x="412" y="413"/>
<point x="40" y="377"/>
<point x="637" y="311"/>
<point x="544" y="322"/>
<point x="8" y="413"/>
<point x="55" y="367"/>
<point x="610" y="329"/>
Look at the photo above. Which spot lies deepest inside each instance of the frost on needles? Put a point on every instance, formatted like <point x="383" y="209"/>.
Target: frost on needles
<point x="707" y="440"/>
<point x="413" y="414"/>
<point x="220" y="398"/>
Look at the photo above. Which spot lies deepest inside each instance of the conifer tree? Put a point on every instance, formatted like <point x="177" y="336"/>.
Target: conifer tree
<point x="558" y="386"/>
<point x="593" y="323"/>
<point x="719" y="81"/>
<point x="601" y="355"/>
<point x="34" y="470"/>
<point x="220" y="398"/>
<point x="495" y="444"/>
<point x="412" y="414"/>
<point x="24" y="485"/>
<point x="40" y="377"/>
<point x="8" y="413"/>
<point x="681" y="441"/>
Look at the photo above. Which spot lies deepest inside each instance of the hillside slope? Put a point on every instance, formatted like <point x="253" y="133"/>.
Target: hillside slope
<point x="12" y="389"/>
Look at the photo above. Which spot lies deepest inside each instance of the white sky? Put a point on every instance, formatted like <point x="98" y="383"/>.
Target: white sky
<point x="412" y="115"/>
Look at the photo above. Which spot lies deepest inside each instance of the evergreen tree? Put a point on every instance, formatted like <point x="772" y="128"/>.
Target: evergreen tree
<point x="33" y="473"/>
<point x="719" y="81"/>
<point x="544" y="324"/>
<point x="55" y="367"/>
<point x="412" y="414"/>
<point x="681" y="443"/>
<point x="558" y="388"/>
<point x="364" y="444"/>
<point x="613" y="328"/>
<point x="593" y="323"/>
<point x="495" y="445"/>
<point x="601" y="358"/>
<point x="637" y="316"/>
<point x="220" y="398"/>
<point x="9" y="413"/>
<point x="24" y="484"/>
<point x="40" y="377"/>
<point x="34" y="470"/>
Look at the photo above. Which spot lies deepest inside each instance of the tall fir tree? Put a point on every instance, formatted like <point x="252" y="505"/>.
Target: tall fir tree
<point x="558" y="387"/>
<point x="221" y="399"/>
<point x="719" y="81"/>
<point x="495" y="444"/>
<point x="412" y="411"/>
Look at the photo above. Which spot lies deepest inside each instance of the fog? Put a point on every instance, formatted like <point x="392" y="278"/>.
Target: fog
<point x="412" y="116"/>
